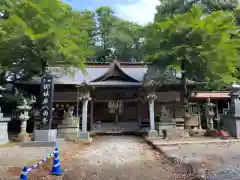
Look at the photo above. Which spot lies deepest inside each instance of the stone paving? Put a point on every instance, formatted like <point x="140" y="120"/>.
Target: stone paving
<point x="221" y="160"/>
<point x="121" y="158"/>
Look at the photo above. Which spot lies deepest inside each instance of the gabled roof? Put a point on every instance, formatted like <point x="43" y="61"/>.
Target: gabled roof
<point x="115" y="76"/>
<point x="100" y="74"/>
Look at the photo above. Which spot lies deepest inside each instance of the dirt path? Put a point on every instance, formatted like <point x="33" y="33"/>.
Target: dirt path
<point x="120" y="158"/>
<point x="14" y="157"/>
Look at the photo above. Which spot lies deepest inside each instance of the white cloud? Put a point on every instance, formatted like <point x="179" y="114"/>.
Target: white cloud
<point x="141" y="12"/>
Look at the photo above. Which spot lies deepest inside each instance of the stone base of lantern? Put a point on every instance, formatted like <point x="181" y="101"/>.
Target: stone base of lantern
<point x="24" y="137"/>
<point x="68" y="131"/>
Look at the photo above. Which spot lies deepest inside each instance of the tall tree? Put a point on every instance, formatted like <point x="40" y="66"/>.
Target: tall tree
<point x="114" y="33"/>
<point x="41" y="32"/>
<point x="172" y="7"/>
<point x="197" y="44"/>
<point x="201" y="46"/>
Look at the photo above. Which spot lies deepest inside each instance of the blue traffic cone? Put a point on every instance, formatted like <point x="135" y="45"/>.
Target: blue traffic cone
<point x="24" y="174"/>
<point x="56" y="168"/>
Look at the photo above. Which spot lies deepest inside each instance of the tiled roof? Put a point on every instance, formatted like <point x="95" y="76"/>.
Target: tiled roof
<point x="93" y="72"/>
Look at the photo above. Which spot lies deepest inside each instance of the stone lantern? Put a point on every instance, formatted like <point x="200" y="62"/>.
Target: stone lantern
<point x="3" y="124"/>
<point x="209" y="114"/>
<point x="24" y="117"/>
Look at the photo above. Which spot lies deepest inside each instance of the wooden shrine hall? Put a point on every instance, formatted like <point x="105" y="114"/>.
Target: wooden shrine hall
<point x="114" y="98"/>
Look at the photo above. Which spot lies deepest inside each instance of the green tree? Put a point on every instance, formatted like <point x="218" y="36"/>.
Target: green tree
<point x="172" y="7"/>
<point x="198" y="44"/>
<point x="114" y="33"/>
<point x="41" y="32"/>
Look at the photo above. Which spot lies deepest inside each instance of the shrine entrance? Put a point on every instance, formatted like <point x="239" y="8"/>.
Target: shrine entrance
<point x="118" y="114"/>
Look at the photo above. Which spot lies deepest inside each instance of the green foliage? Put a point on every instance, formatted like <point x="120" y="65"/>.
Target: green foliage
<point x="172" y="7"/>
<point x="201" y="42"/>
<point x="115" y="33"/>
<point x="159" y="77"/>
<point x="43" y="32"/>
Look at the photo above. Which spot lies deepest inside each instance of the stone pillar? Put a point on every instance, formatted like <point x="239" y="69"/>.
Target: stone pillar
<point x="151" y="97"/>
<point x="85" y="97"/>
<point x="24" y="116"/>
<point x="3" y="124"/>
<point x="84" y="114"/>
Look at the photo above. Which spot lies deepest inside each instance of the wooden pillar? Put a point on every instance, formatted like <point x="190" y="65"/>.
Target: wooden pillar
<point x="116" y="117"/>
<point x="138" y="113"/>
<point x="199" y="116"/>
<point x="77" y="113"/>
<point x="91" y="117"/>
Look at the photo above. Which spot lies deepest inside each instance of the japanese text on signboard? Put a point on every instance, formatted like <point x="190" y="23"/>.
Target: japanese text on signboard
<point x="46" y="103"/>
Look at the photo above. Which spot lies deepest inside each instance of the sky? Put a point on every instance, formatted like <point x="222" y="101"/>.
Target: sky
<point x="139" y="11"/>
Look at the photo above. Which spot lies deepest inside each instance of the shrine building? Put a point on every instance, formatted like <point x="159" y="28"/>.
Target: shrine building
<point x="115" y="98"/>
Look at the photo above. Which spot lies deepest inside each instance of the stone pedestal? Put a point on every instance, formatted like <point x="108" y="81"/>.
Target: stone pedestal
<point x="43" y="138"/>
<point x="169" y="126"/>
<point x="231" y="120"/>
<point x="68" y="131"/>
<point x="3" y="129"/>
<point x="232" y="125"/>
<point x="85" y="137"/>
<point x="69" y="128"/>
<point x="24" y="137"/>
<point x="152" y="133"/>
<point x="45" y="135"/>
<point x="3" y="124"/>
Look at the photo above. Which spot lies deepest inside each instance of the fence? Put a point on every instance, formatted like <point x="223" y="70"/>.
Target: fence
<point x="56" y="168"/>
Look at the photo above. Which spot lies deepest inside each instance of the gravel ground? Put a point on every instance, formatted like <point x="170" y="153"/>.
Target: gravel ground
<point x="121" y="158"/>
<point x="13" y="158"/>
<point x="107" y="158"/>
<point x="221" y="159"/>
